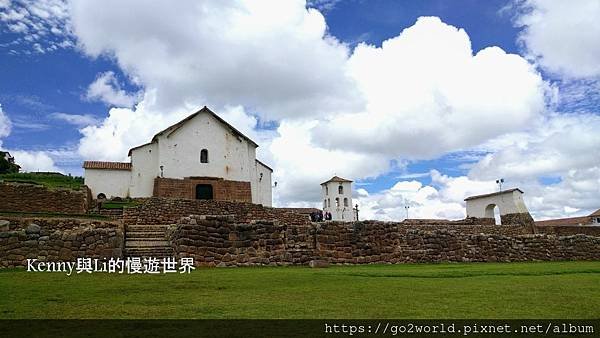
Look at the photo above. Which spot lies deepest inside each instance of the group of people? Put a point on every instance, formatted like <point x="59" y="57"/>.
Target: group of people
<point x="320" y="216"/>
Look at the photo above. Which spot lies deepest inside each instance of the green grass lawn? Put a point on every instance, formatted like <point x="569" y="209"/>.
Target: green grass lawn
<point x="481" y="290"/>
<point x="50" y="180"/>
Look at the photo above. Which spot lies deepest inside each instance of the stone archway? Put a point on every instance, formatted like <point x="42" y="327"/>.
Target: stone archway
<point x="493" y="211"/>
<point x="510" y="203"/>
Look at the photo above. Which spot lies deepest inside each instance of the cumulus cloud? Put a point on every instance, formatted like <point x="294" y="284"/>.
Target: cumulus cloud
<point x="338" y="111"/>
<point x="301" y="166"/>
<point x="272" y="56"/>
<point x="444" y="198"/>
<point x="28" y="160"/>
<point x="564" y="148"/>
<point x="106" y="88"/>
<point x="5" y="124"/>
<point x="562" y="36"/>
<point x="426" y="84"/>
<point x="562" y="143"/>
<point x="32" y="161"/>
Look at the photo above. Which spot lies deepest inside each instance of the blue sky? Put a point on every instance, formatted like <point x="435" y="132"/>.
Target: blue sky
<point x="48" y="75"/>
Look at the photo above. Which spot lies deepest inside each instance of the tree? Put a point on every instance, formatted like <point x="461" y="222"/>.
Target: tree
<point x="7" y="164"/>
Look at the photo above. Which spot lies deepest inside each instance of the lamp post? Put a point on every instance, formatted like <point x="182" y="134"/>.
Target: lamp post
<point x="499" y="183"/>
<point x="406" y="207"/>
<point x="356" y="208"/>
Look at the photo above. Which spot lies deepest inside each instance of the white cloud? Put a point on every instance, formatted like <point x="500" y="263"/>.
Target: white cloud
<point x="106" y="88"/>
<point x="562" y="36"/>
<point x="444" y="198"/>
<point x="420" y="94"/>
<point x="32" y="161"/>
<point x="301" y="166"/>
<point x="565" y="147"/>
<point x="271" y="56"/>
<point x="5" y="124"/>
<point x="427" y="85"/>
<point x="28" y="160"/>
<point x="561" y="143"/>
<point x="76" y="119"/>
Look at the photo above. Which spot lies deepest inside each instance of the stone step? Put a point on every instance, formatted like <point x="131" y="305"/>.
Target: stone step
<point x="155" y="249"/>
<point x="144" y="228"/>
<point x="158" y="235"/>
<point x="149" y="253"/>
<point x="146" y="243"/>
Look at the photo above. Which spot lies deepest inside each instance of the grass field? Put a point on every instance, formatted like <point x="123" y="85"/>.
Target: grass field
<point x="50" y="180"/>
<point x="479" y="290"/>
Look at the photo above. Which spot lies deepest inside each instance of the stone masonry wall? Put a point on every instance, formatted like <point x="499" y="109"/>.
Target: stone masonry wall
<point x="220" y="241"/>
<point x="50" y="239"/>
<point x="36" y="198"/>
<point x="217" y="240"/>
<point x="158" y="210"/>
<point x="223" y="190"/>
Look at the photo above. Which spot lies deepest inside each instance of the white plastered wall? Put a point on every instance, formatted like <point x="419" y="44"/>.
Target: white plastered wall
<point x="329" y="193"/>
<point x="230" y="156"/>
<point x="510" y="202"/>
<point x="112" y="183"/>
<point x="145" y="169"/>
<point x="262" y="192"/>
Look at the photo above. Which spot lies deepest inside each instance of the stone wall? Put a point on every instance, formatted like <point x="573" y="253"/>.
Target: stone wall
<point x="51" y="239"/>
<point x="158" y="210"/>
<point x="220" y="241"/>
<point x="37" y="198"/>
<point x="223" y="190"/>
<point x="517" y="218"/>
<point x="113" y="214"/>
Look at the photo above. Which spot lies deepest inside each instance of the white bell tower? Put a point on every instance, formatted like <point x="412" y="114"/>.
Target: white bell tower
<point x="336" y="194"/>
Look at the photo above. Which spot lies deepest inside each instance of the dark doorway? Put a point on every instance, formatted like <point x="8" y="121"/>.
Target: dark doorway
<point x="204" y="192"/>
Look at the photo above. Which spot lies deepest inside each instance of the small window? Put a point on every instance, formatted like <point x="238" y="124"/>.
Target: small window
<point x="337" y="202"/>
<point x="329" y="202"/>
<point x="326" y="190"/>
<point x="341" y="190"/>
<point x="345" y="201"/>
<point x="324" y="204"/>
<point x="204" y="156"/>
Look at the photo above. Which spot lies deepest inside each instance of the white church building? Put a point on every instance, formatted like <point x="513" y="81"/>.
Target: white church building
<point x="200" y="157"/>
<point x="337" y="199"/>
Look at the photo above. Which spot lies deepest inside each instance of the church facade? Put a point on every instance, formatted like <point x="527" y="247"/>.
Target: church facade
<point x="200" y="157"/>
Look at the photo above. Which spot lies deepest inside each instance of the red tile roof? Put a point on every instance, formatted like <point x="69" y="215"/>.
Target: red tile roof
<point x="494" y="193"/>
<point x="565" y="221"/>
<point x="107" y="165"/>
<point x="336" y="179"/>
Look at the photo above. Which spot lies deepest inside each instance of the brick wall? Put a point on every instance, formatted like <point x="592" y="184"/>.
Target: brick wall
<point x="37" y="198"/>
<point x="220" y="241"/>
<point x="223" y="190"/>
<point x="53" y="239"/>
<point x="159" y="210"/>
